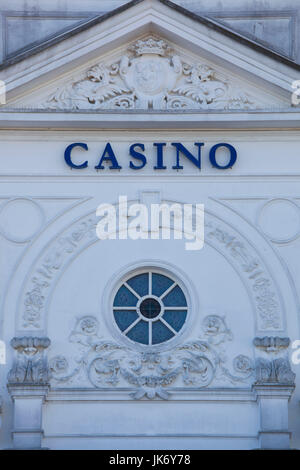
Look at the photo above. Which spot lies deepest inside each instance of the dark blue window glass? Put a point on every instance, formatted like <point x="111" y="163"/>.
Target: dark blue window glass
<point x="140" y="284"/>
<point x="175" y="318"/>
<point x="125" y="298"/>
<point x="160" y="333"/>
<point x="175" y="298"/>
<point x="160" y="284"/>
<point x="124" y="318"/>
<point x="140" y="332"/>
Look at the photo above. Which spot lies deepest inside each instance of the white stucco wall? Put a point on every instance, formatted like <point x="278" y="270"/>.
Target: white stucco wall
<point x="58" y="280"/>
<point x="239" y="198"/>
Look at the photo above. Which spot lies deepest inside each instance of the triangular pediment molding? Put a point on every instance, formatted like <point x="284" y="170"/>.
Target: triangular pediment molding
<point x="150" y="74"/>
<point x="148" y="56"/>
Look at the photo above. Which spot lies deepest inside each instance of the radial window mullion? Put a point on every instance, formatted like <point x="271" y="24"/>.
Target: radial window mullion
<point x="168" y="290"/>
<point x="176" y="308"/>
<point x="132" y="290"/>
<point x="150" y="333"/>
<point x="131" y="326"/>
<point x="150" y="283"/>
<point x="124" y="308"/>
<point x="168" y="326"/>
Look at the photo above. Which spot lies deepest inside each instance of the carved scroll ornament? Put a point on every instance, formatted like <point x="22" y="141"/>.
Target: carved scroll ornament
<point x="105" y="364"/>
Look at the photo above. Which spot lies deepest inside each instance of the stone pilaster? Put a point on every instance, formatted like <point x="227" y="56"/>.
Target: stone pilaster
<point x="28" y="385"/>
<point x="0" y="411"/>
<point x="274" y="386"/>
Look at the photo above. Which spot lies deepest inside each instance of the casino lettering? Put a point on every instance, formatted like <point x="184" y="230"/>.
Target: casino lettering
<point x="138" y="158"/>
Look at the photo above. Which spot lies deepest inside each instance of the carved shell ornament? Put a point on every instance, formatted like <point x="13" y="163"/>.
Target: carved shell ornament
<point x="150" y="76"/>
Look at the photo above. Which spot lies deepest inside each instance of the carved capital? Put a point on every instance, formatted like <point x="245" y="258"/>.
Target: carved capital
<point x="273" y="365"/>
<point x="30" y="366"/>
<point x="271" y="343"/>
<point x="274" y="371"/>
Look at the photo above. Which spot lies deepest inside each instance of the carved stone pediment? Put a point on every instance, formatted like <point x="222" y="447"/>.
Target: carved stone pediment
<point x="151" y="75"/>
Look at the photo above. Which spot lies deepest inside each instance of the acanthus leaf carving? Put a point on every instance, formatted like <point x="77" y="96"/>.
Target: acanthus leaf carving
<point x="96" y="88"/>
<point x="204" y="88"/>
<point x="275" y="371"/>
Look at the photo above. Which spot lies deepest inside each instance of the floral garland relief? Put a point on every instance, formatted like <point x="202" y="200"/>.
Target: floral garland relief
<point x="193" y="365"/>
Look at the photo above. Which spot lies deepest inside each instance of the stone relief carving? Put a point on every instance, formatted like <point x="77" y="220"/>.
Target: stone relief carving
<point x="193" y="365"/>
<point x="150" y="76"/>
<point x="265" y="297"/>
<point x="35" y="297"/>
<point x="34" y="301"/>
<point x="269" y="368"/>
<point x="30" y="365"/>
<point x="215" y="329"/>
<point x="54" y="257"/>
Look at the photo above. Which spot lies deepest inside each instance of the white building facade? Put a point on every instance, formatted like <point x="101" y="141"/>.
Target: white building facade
<point x="136" y="341"/>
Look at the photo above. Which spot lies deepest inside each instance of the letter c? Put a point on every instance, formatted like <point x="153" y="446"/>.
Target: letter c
<point x="68" y="159"/>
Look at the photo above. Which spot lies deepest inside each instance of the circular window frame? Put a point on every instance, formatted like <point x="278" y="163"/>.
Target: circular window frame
<point x="133" y="270"/>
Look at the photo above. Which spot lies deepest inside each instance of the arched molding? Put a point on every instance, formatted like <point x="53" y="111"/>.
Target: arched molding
<point x="61" y="250"/>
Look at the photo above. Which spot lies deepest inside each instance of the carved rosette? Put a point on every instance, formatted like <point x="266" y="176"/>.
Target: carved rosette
<point x="273" y="365"/>
<point x="150" y="76"/>
<point x="30" y="366"/>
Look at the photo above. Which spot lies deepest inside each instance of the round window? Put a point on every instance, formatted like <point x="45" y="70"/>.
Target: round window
<point x="150" y="308"/>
